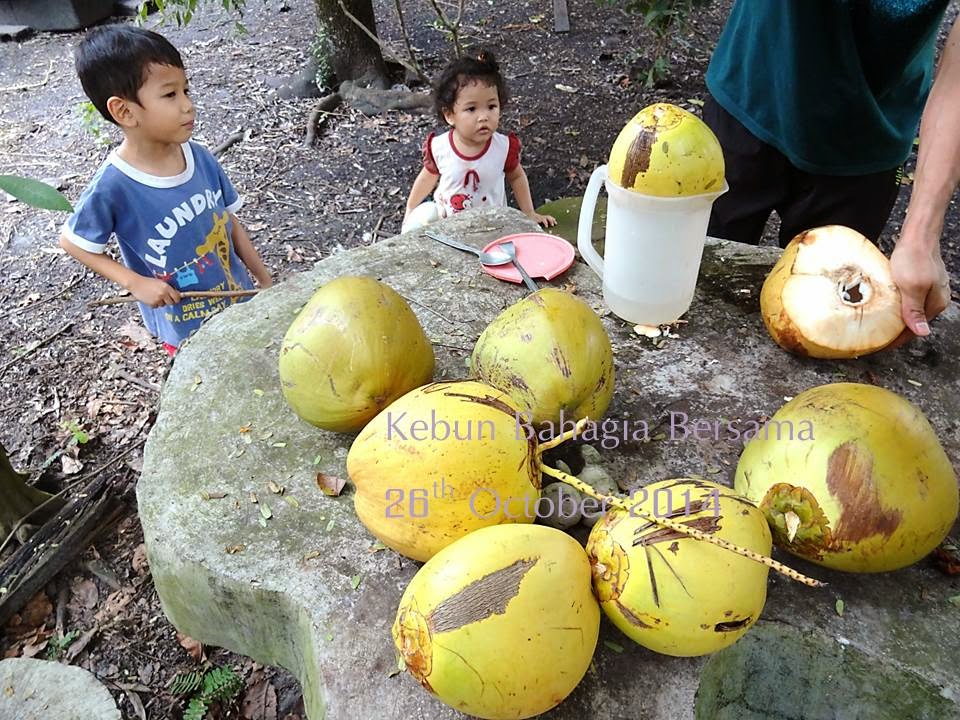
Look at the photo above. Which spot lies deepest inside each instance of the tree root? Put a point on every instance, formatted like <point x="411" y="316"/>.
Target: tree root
<point x="324" y="106"/>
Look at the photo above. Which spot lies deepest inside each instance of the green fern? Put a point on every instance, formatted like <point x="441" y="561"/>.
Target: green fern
<point x="218" y="684"/>
<point x="196" y="710"/>
<point x="186" y="682"/>
<point x="222" y="684"/>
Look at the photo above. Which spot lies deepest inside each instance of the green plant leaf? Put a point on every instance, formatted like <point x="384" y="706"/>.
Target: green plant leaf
<point x="186" y="682"/>
<point x="196" y="710"/>
<point x="35" y="193"/>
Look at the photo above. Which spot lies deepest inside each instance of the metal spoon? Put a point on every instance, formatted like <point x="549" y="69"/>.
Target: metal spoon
<point x="500" y="258"/>
<point x="510" y="250"/>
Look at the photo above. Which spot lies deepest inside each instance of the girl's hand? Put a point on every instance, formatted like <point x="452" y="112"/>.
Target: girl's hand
<point x="545" y="220"/>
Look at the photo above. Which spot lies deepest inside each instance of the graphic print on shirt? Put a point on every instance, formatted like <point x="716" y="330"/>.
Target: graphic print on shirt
<point x="460" y="201"/>
<point x="218" y="242"/>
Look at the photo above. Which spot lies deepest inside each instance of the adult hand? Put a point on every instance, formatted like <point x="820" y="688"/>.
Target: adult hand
<point x="924" y="287"/>
<point x="155" y="293"/>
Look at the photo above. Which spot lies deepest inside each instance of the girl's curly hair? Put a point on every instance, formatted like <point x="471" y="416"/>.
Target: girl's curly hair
<point x="479" y="66"/>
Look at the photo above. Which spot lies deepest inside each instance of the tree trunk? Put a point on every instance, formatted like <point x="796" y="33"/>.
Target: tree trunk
<point x="16" y="497"/>
<point x="344" y="50"/>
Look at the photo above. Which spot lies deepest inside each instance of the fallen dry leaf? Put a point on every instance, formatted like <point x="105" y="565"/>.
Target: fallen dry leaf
<point x="71" y="466"/>
<point x="85" y="591"/>
<point x="946" y="559"/>
<point x="193" y="647"/>
<point x="260" y="700"/>
<point x="116" y="601"/>
<point x="33" y="614"/>
<point x="134" y="331"/>
<point x="139" y="561"/>
<point x="137" y="704"/>
<point x="80" y="644"/>
<point x="330" y="484"/>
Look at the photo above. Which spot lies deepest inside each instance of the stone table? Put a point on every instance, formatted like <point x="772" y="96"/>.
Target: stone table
<point x="43" y="690"/>
<point x="303" y="587"/>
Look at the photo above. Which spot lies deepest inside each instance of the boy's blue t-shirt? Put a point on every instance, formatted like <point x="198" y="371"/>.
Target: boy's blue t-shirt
<point x="177" y="229"/>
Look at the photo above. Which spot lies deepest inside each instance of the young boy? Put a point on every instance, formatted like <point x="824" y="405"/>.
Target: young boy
<point x="165" y="198"/>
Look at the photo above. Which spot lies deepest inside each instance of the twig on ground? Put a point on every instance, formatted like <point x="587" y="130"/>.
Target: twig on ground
<point x="120" y="299"/>
<point x="46" y="79"/>
<point x="319" y="113"/>
<point x="139" y="382"/>
<point x="63" y="597"/>
<point x="78" y="279"/>
<point x="34" y="346"/>
<point x="236" y="137"/>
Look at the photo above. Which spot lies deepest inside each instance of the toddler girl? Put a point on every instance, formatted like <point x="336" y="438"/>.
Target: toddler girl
<point x="468" y="163"/>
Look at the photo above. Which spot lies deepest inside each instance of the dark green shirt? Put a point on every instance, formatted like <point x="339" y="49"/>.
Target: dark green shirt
<point x="837" y="86"/>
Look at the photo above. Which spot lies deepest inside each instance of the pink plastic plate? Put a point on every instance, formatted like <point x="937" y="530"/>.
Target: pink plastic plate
<point x="541" y="255"/>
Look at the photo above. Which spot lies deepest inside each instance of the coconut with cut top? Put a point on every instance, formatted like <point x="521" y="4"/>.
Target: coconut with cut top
<point x="831" y="295"/>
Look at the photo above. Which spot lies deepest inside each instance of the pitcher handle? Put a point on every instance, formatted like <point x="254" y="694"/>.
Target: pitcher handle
<point x="585" y="227"/>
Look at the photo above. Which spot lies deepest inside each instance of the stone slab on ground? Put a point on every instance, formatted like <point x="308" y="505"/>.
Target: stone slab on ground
<point x="15" y="32"/>
<point x="44" y="690"/>
<point x="304" y="588"/>
<point x="54" y="14"/>
<point x="776" y="671"/>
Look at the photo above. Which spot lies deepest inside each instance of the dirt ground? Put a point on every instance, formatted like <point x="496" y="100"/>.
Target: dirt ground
<point x="79" y="386"/>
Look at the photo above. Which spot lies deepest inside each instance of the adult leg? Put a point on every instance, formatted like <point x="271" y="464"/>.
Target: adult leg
<point x="755" y="173"/>
<point x="862" y="202"/>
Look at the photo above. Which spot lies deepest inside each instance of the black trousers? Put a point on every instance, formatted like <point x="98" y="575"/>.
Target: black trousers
<point x="762" y="180"/>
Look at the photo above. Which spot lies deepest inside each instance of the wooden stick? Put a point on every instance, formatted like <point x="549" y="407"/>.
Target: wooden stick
<point x="663" y="521"/>
<point x="118" y="299"/>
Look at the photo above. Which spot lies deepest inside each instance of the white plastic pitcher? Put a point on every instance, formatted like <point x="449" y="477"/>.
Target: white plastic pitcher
<point x="652" y="252"/>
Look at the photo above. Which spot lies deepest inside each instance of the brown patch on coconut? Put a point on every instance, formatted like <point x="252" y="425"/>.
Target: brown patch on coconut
<point x="481" y="599"/>
<point x="638" y="157"/>
<point x="850" y="479"/>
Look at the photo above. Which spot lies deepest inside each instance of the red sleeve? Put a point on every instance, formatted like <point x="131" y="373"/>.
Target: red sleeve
<point x="513" y="154"/>
<point x="428" y="162"/>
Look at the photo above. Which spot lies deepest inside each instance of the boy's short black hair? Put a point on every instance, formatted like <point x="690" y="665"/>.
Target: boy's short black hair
<point x="113" y="60"/>
<point x="476" y="66"/>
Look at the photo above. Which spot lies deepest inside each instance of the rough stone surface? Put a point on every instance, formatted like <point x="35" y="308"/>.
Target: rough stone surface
<point x="778" y="672"/>
<point x="281" y="589"/>
<point x="43" y="690"/>
<point x="54" y="14"/>
<point x="15" y="32"/>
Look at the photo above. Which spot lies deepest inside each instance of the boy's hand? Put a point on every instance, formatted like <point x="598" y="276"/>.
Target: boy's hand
<point x="545" y="220"/>
<point x="155" y="293"/>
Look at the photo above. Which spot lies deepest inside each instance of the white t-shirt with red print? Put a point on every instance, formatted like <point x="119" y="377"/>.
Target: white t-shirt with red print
<point x="470" y="181"/>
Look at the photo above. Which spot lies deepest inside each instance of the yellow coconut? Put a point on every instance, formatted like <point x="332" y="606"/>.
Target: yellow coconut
<point x="673" y="594"/>
<point x="851" y="477"/>
<point x="443" y="460"/>
<point x="831" y="295"/>
<point x="668" y="152"/>
<point x="354" y="348"/>
<point x="551" y="354"/>
<point x="502" y="623"/>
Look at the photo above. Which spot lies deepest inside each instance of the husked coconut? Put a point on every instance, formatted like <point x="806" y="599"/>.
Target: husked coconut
<point x="851" y="477"/>
<point x="440" y="462"/>
<point x="502" y="623"/>
<point x="552" y="355"/>
<point x="831" y="295"/>
<point x="354" y="348"/>
<point x="667" y="152"/>
<point x="671" y="593"/>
